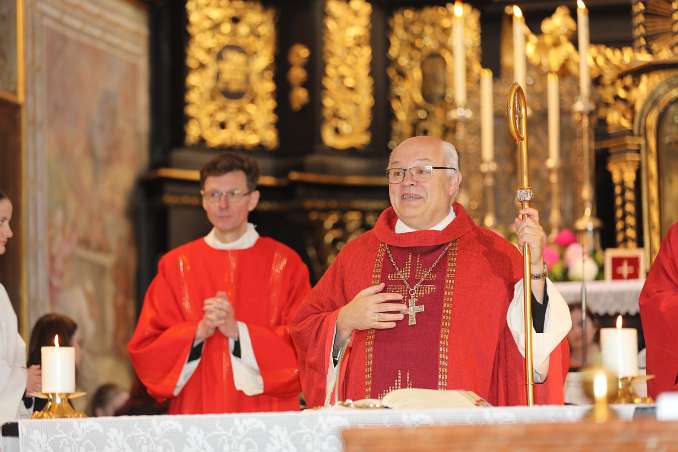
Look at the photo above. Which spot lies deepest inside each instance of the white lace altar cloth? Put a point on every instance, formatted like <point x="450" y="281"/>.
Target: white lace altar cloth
<point x="310" y="430"/>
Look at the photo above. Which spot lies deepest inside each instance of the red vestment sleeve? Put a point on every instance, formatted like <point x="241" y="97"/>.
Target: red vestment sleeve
<point x="659" y="316"/>
<point x="313" y="332"/>
<point x="163" y="338"/>
<point x="273" y="347"/>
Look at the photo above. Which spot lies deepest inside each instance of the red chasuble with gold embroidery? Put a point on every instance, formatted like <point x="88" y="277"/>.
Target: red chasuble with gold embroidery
<point x="659" y="314"/>
<point x="264" y="283"/>
<point x="461" y="339"/>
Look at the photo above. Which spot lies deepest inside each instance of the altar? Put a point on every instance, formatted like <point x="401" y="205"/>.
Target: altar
<point x="310" y="430"/>
<point x="605" y="297"/>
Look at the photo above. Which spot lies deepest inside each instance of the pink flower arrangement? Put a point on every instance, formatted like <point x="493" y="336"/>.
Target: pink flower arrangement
<point x="566" y="261"/>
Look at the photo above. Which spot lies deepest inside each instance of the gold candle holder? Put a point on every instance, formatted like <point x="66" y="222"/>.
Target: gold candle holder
<point x="555" y="218"/>
<point x="488" y="169"/>
<point x="626" y="392"/>
<point x="600" y="386"/>
<point x="59" y="406"/>
<point x="588" y="225"/>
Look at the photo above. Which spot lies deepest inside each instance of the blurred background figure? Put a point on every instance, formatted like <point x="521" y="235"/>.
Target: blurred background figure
<point x="584" y="347"/>
<point x="107" y="399"/>
<point x="141" y="403"/>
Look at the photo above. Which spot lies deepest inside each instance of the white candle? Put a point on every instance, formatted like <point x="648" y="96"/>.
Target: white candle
<point x="553" y="102"/>
<point x="58" y="368"/>
<point x="619" y="347"/>
<point x="583" y="42"/>
<point x="459" y="55"/>
<point x="519" y="62"/>
<point x="486" y="117"/>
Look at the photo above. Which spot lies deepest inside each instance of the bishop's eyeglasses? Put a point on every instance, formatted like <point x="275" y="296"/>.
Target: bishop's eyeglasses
<point x="215" y="196"/>
<point x="418" y="173"/>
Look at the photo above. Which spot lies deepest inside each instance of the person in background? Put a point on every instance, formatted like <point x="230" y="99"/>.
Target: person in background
<point x="213" y="332"/>
<point x="42" y="335"/>
<point x="107" y="400"/>
<point x="16" y="381"/>
<point x="578" y="342"/>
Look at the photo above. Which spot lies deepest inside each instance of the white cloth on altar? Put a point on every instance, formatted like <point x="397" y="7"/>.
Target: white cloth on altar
<point x="246" y="374"/>
<point x="12" y="362"/>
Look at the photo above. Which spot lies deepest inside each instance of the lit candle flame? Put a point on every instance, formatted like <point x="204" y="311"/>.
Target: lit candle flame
<point x="599" y="386"/>
<point x="516" y="11"/>
<point x="458" y="9"/>
<point x="581" y="4"/>
<point x="56" y="340"/>
<point x="619" y="321"/>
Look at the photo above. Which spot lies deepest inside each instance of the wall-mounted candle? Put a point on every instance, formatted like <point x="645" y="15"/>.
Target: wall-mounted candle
<point x="583" y="43"/>
<point x="519" y="58"/>
<point x="58" y="368"/>
<point x="486" y="117"/>
<point x="553" y="103"/>
<point x="619" y="347"/>
<point x="459" y="55"/>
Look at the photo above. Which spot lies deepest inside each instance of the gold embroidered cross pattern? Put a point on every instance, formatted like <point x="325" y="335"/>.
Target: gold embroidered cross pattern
<point x="412" y="308"/>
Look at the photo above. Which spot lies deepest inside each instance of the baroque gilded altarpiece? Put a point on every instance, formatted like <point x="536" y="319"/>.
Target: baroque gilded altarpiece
<point x="356" y="54"/>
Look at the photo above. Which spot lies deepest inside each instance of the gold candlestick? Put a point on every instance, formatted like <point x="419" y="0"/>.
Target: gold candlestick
<point x="59" y="406"/>
<point x="555" y="218"/>
<point x="460" y="115"/>
<point x="516" y="111"/>
<point x="588" y="225"/>
<point x="488" y="169"/>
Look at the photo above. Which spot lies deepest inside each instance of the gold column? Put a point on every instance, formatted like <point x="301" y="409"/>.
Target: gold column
<point x="623" y="167"/>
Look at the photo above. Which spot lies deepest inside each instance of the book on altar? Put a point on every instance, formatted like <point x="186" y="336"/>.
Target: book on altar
<point x="421" y="399"/>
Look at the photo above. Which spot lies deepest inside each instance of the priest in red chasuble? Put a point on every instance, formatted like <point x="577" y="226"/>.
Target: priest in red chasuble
<point x="659" y="315"/>
<point x="212" y="336"/>
<point x="428" y="299"/>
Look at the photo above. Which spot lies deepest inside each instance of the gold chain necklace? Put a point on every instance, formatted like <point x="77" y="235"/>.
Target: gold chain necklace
<point x="412" y="308"/>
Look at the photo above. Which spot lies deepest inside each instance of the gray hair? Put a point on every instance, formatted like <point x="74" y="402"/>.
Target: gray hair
<point x="451" y="155"/>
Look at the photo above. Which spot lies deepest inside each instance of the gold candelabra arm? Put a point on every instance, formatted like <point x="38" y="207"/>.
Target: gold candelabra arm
<point x="516" y="110"/>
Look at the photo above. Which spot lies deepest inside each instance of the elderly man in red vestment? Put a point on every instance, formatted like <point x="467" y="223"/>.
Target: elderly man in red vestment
<point x="428" y="299"/>
<point x="659" y="315"/>
<point x="212" y="336"/>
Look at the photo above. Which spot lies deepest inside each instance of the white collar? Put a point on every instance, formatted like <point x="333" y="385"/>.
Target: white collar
<point x="247" y="240"/>
<point x="401" y="227"/>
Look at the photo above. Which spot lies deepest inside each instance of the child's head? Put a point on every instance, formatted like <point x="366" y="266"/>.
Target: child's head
<point x="44" y="330"/>
<point x="575" y="336"/>
<point x="107" y="399"/>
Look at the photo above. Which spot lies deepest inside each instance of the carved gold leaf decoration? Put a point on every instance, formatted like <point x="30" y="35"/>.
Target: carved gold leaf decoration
<point x="616" y="93"/>
<point x="347" y="97"/>
<point x="655" y="26"/>
<point x="421" y="69"/>
<point x="230" y="92"/>
<point x="298" y="56"/>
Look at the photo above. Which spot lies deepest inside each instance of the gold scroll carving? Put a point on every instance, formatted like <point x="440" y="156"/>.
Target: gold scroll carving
<point x="297" y="75"/>
<point x="421" y="69"/>
<point x="347" y="97"/>
<point x="230" y="92"/>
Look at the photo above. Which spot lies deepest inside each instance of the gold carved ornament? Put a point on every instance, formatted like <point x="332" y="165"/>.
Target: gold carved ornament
<point x="348" y="96"/>
<point x="297" y="75"/>
<point x="421" y="69"/>
<point x="230" y="91"/>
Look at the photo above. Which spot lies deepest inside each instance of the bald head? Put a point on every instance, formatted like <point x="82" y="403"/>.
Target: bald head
<point x="422" y="199"/>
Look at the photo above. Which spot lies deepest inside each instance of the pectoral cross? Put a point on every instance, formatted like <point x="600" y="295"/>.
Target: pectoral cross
<point x="412" y="308"/>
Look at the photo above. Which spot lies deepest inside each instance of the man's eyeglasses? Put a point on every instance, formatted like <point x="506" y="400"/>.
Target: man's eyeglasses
<point x="215" y="196"/>
<point x="417" y="173"/>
